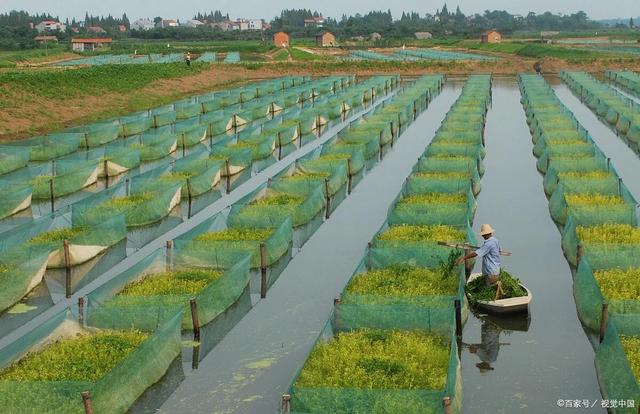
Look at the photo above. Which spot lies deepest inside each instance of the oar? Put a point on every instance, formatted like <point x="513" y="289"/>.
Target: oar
<point x="465" y="246"/>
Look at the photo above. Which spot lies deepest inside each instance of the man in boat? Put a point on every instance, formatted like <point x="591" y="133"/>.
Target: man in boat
<point x="490" y="254"/>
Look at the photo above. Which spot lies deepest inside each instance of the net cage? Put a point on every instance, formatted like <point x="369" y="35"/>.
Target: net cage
<point x="378" y="328"/>
<point x="142" y="202"/>
<point x="132" y="298"/>
<point x="114" y="387"/>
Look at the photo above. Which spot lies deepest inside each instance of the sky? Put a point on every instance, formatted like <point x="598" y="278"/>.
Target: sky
<point x="184" y="9"/>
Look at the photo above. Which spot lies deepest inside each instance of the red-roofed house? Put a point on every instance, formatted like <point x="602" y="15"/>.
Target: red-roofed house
<point x="85" y="45"/>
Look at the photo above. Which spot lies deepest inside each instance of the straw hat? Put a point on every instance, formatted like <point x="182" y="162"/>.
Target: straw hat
<point x="486" y="229"/>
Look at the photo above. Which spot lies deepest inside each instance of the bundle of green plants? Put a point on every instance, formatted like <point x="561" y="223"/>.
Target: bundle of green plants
<point x="123" y="204"/>
<point x="631" y="346"/>
<point x="178" y="283"/>
<point x="480" y="291"/>
<point x="435" y="233"/>
<point x="378" y="359"/>
<point x="176" y="176"/>
<point x="403" y="281"/>
<point x="609" y="234"/>
<point x="435" y="198"/>
<point x="57" y="235"/>
<point x="86" y="357"/>
<point x="593" y="199"/>
<point x="619" y="284"/>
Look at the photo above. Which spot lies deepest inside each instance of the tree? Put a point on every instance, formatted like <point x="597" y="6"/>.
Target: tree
<point x="157" y="19"/>
<point x="631" y="24"/>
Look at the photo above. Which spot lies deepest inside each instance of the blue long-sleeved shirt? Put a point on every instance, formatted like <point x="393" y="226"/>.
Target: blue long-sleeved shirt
<point x="490" y="254"/>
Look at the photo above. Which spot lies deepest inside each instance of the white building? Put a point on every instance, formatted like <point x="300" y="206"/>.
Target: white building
<point x="256" y="24"/>
<point x="142" y="24"/>
<point x="193" y="23"/>
<point x="50" y="26"/>
<point x="167" y="23"/>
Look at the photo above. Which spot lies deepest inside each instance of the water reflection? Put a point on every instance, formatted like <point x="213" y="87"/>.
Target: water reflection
<point x="492" y="329"/>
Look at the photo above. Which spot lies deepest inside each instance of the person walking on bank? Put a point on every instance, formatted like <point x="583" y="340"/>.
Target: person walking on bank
<point x="187" y="59"/>
<point x="490" y="254"/>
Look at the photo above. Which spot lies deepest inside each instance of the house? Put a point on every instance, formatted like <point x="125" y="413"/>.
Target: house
<point x="162" y="24"/>
<point x="423" y="35"/>
<point x="326" y="39"/>
<point x="281" y="39"/>
<point x="491" y="36"/>
<point x="50" y="26"/>
<point x="96" y="30"/>
<point x="122" y="28"/>
<point x="143" y="24"/>
<point x="89" y="45"/>
<point x="193" y="23"/>
<point x="45" y="39"/>
<point x="375" y="36"/>
<point x="318" y="21"/>
<point x="256" y="24"/>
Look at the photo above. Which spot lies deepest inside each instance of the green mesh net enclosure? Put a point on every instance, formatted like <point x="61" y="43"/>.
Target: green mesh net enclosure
<point x="379" y="381"/>
<point x="82" y="357"/>
<point x="617" y="368"/>
<point x="143" y="203"/>
<point x="164" y="281"/>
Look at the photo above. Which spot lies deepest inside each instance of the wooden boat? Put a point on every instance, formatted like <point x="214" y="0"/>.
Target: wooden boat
<point x="502" y="306"/>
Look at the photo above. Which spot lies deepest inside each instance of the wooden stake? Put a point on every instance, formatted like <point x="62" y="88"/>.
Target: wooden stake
<point x="328" y="198"/>
<point x="195" y="357"/>
<point x="81" y="309"/>
<point x="53" y="197"/>
<point x="604" y="321"/>
<point x="106" y="173"/>
<point x="446" y="405"/>
<point x="458" y="309"/>
<point x="195" y="320"/>
<point x="286" y="403"/>
<point x="228" y="174"/>
<point x="263" y="271"/>
<point x="190" y="197"/>
<point x="350" y="182"/>
<point x="86" y="400"/>
<point x="579" y="254"/>
<point x="127" y="186"/>
<point x="67" y="267"/>
<point x="169" y="256"/>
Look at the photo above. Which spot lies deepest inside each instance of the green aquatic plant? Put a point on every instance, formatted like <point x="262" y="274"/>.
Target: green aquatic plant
<point x="375" y="359"/>
<point x="442" y="175"/>
<point x="402" y="281"/>
<point x="83" y="358"/>
<point x="423" y="233"/>
<point x="619" y="284"/>
<point x="278" y="199"/>
<point x="609" y="234"/>
<point x="435" y="198"/>
<point x="236" y="234"/>
<point x="480" y="291"/>
<point x="593" y="199"/>
<point x="57" y="235"/>
<point x="184" y="282"/>
<point x="631" y="346"/>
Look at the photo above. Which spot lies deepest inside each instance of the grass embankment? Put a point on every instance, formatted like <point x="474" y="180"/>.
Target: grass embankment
<point x="38" y="101"/>
<point x="11" y="59"/>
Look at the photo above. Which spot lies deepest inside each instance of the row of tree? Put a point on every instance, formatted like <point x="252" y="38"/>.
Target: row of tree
<point x="15" y="32"/>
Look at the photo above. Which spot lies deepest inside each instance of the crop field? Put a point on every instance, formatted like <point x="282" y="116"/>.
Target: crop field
<point x="292" y="231"/>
